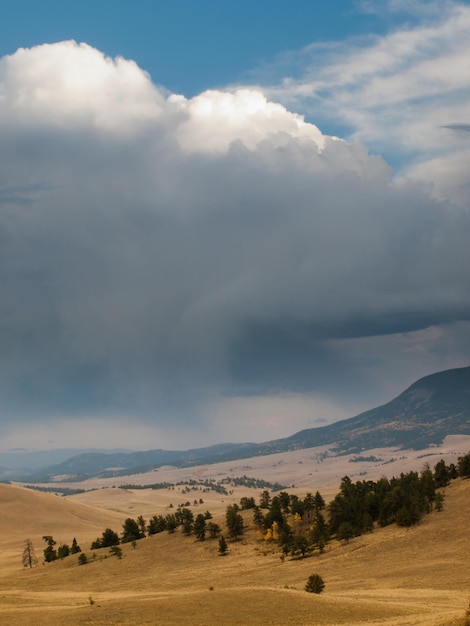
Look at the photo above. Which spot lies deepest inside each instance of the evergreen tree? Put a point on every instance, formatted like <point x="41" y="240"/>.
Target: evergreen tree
<point x="301" y="545"/>
<point x="75" y="547"/>
<point x="319" y="501"/>
<point x="275" y="513"/>
<point x="442" y="474"/>
<point x="156" y="525"/>
<point x="258" y="517"/>
<point x="50" y="554"/>
<point x="309" y="506"/>
<point x="234" y="522"/>
<point x="265" y="500"/>
<point x="109" y="538"/>
<point x="223" y="548"/>
<point x="142" y="525"/>
<point x="285" y="502"/>
<point x="315" y="584"/>
<point x="199" y="527"/>
<point x="130" y="531"/>
<point x="319" y="533"/>
<point x="171" y="523"/>
<point x="187" y="522"/>
<point x="214" y="529"/>
<point x="345" y="531"/>
<point x="463" y="464"/>
<point x="296" y="505"/>
<point x="63" y="551"/>
<point x="439" y="501"/>
<point x="247" y="503"/>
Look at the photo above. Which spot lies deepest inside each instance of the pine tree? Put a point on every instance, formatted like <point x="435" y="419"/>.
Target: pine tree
<point x="346" y="531"/>
<point x="199" y="527"/>
<point x="214" y="529"/>
<point x="223" y="547"/>
<point x="234" y="522"/>
<point x="315" y="584"/>
<point x="50" y="554"/>
<point x="75" y="547"/>
<point x="258" y="517"/>
<point x="463" y="464"/>
<point x="63" y="551"/>
<point x="130" y="531"/>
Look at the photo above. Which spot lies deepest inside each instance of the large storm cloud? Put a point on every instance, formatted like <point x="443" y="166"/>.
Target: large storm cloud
<point x="158" y="253"/>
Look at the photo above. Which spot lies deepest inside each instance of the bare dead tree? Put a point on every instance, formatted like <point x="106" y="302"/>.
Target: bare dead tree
<point x="29" y="556"/>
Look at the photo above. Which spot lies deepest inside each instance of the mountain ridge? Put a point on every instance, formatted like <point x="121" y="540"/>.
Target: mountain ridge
<point x="433" y="407"/>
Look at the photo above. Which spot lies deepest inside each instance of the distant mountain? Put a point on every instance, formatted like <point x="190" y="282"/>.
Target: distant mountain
<point x="432" y="408"/>
<point x="19" y="463"/>
<point x="424" y="414"/>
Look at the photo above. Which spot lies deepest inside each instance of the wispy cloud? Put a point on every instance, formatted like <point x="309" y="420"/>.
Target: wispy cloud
<point x="458" y="128"/>
<point x="397" y="92"/>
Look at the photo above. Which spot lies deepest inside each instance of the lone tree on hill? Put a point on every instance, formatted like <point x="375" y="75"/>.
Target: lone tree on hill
<point x="315" y="584"/>
<point x="29" y="556"/>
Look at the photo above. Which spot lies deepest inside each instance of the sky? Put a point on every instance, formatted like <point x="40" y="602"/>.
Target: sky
<point x="227" y="221"/>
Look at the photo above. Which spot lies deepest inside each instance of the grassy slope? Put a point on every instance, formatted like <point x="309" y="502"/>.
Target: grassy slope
<point x="393" y="576"/>
<point x="30" y="514"/>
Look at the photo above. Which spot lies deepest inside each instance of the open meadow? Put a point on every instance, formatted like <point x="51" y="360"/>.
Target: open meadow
<point x="393" y="576"/>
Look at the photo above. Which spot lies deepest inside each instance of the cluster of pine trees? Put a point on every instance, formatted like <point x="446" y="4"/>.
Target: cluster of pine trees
<point x="300" y="526"/>
<point x="51" y="553"/>
<point x="200" y="526"/>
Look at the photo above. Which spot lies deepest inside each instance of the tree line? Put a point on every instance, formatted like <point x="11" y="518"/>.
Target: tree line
<point x="301" y="526"/>
<point x="298" y="525"/>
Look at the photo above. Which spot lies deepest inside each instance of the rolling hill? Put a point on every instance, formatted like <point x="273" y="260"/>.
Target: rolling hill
<point x="424" y="414"/>
<point x="393" y="576"/>
<point x="27" y="514"/>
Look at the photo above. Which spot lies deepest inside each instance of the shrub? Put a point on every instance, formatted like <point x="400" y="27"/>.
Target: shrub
<point x="82" y="559"/>
<point x="315" y="584"/>
<point x="116" y="551"/>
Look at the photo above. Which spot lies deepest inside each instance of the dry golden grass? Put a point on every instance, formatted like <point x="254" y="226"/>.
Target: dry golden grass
<point x="393" y="576"/>
<point x="30" y="514"/>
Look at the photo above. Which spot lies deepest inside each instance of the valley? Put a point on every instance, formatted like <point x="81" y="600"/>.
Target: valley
<point x="395" y="576"/>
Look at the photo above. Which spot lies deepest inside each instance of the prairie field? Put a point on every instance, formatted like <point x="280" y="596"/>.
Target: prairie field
<point x="393" y="576"/>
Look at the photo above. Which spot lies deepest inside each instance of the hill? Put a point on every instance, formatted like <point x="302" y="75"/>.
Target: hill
<point x="424" y="414"/>
<point x="393" y="577"/>
<point x="27" y="514"/>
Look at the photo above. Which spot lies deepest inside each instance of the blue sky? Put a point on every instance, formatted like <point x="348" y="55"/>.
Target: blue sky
<point x="188" y="46"/>
<point x="227" y="221"/>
